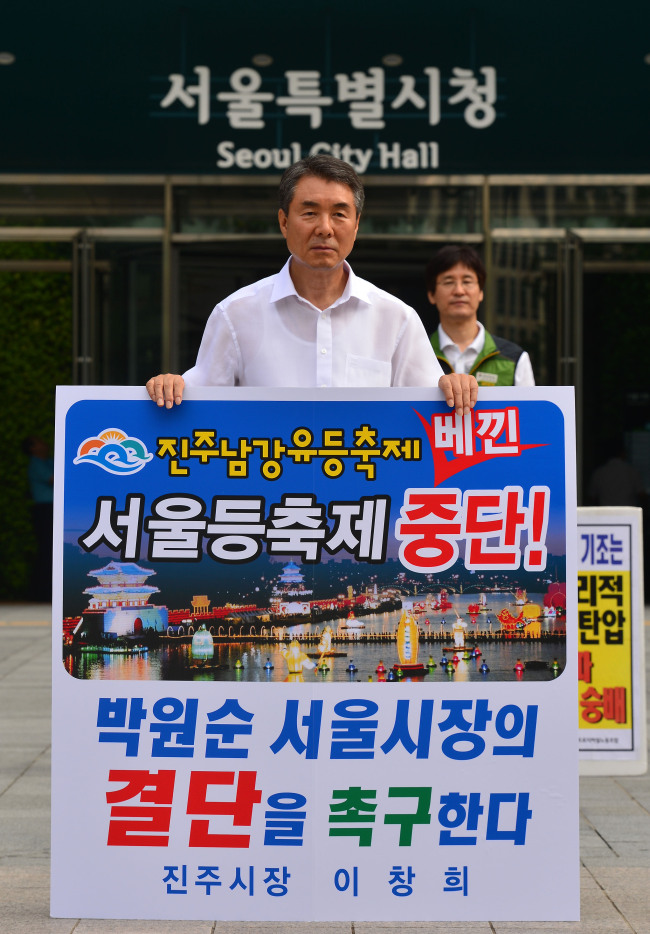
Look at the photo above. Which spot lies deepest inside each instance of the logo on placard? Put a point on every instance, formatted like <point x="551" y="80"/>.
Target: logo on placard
<point x="114" y="451"/>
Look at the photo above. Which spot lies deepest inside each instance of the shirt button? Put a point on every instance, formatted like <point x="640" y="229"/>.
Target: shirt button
<point x="323" y="351"/>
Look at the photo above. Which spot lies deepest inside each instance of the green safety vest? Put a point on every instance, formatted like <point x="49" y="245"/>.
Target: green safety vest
<point x="495" y="364"/>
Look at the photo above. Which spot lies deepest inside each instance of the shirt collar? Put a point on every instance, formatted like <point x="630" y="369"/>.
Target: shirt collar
<point x="355" y="287"/>
<point x="476" y="346"/>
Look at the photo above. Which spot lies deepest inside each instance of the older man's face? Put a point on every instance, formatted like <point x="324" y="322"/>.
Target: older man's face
<point x="322" y="223"/>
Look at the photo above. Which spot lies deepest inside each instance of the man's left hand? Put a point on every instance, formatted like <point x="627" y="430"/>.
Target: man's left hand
<point x="460" y="391"/>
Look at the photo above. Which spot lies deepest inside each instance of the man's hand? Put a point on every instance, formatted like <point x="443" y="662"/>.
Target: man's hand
<point x="460" y="391"/>
<point x="166" y="389"/>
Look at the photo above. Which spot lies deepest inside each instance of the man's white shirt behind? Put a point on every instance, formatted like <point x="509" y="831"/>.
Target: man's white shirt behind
<point x="462" y="361"/>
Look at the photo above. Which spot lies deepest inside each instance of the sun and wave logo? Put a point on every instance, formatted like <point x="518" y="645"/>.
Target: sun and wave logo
<point x="114" y="451"/>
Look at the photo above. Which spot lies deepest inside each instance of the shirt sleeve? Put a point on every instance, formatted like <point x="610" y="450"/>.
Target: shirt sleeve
<point x="414" y="362"/>
<point x="218" y="360"/>
<point x="524" y="371"/>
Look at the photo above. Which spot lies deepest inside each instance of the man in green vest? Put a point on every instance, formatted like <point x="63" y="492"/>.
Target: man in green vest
<point x="455" y="280"/>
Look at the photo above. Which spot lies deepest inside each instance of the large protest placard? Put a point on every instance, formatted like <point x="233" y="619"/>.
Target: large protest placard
<point x="314" y="657"/>
<point x="611" y="642"/>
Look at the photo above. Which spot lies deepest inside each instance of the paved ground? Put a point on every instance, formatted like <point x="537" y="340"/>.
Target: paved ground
<point x="614" y="849"/>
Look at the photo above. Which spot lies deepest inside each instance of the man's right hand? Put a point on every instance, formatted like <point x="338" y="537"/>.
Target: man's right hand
<point x="166" y="389"/>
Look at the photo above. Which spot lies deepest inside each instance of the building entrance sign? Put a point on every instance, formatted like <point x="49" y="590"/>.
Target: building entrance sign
<point x="242" y="90"/>
<point x="304" y="660"/>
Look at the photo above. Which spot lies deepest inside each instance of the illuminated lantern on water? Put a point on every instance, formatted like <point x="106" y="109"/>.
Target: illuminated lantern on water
<point x="202" y="644"/>
<point x="325" y="644"/>
<point x="296" y="659"/>
<point x="407" y="640"/>
<point x="459" y="631"/>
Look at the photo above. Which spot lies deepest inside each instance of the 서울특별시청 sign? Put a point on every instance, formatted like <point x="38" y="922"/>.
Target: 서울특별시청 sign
<point x="258" y="601"/>
<point x="229" y="90"/>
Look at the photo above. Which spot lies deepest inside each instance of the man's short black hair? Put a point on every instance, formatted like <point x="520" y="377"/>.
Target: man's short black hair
<point x="322" y="166"/>
<point x="450" y="256"/>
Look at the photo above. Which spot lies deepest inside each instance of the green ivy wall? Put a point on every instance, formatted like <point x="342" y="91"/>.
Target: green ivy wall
<point x="35" y="356"/>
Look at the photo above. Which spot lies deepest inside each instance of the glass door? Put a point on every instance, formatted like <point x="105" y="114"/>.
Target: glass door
<point x="615" y="340"/>
<point x="535" y="283"/>
<point x="118" y="328"/>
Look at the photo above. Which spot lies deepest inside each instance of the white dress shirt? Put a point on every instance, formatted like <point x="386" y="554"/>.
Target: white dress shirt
<point x="267" y="335"/>
<point x="462" y="361"/>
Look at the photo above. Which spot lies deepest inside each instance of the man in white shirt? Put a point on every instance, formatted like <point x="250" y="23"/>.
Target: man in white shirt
<point x="455" y="281"/>
<point x="316" y="324"/>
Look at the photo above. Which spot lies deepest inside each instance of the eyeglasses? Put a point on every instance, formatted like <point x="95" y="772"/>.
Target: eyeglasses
<point x="467" y="282"/>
